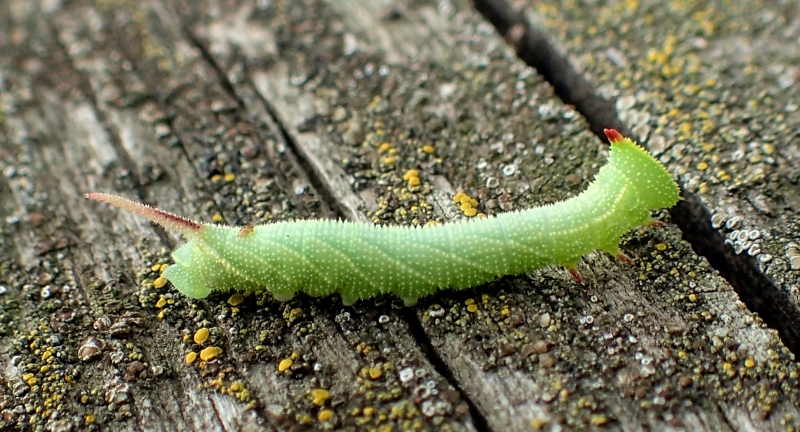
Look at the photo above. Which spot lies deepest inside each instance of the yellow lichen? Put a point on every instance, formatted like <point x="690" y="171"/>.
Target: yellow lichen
<point x="319" y="396"/>
<point x="191" y="356"/>
<point x="284" y="365"/>
<point x="472" y="308"/>
<point x="159" y="282"/>
<point x="229" y="177"/>
<point x="411" y="174"/>
<point x="375" y="373"/>
<point x="201" y="336"/>
<point x="428" y="149"/>
<point x="539" y="422"/>
<point x="235" y="299"/>
<point x="161" y="302"/>
<point x="210" y="353"/>
<point x="325" y="415"/>
<point x="599" y="420"/>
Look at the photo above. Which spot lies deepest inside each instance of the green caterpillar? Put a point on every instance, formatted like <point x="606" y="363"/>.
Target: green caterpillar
<point x="359" y="261"/>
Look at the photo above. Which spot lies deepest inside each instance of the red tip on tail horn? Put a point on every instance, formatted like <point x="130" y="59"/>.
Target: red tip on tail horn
<point x="613" y="136"/>
<point x="167" y="220"/>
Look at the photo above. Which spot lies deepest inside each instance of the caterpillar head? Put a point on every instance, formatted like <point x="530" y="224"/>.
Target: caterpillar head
<point x="188" y="273"/>
<point x="652" y="183"/>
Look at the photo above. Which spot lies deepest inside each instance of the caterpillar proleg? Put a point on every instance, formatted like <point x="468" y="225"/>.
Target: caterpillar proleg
<point x="359" y="261"/>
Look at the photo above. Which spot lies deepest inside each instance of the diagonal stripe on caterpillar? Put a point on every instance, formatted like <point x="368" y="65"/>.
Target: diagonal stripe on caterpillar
<point x="359" y="261"/>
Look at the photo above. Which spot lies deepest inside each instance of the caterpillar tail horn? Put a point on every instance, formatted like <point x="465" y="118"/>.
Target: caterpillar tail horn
<point x="186" y="227"/>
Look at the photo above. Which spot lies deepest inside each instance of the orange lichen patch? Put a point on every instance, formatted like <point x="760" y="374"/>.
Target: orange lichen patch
<point x="210" y="353"/>
<point x="201" y="336"/>
<point x="284" y="365"/>
<point x="246" y="230"/>
<point x="414" y="181"/>
<point x="319" y="396"/>
<point x="191" y="356"/>
<point x="163" y="267"/>
<point x="159" y="282"/>
<point x="235" y="299"/>
<point x="217" y="217"/>
<point x="470" y="212"/>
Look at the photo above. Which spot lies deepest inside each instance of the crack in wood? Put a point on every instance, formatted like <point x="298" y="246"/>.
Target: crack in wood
<point x="754" y="288"/>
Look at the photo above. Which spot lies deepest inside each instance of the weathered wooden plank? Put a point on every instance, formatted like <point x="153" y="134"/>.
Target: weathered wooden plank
<point x="712" y="87"/>
<point x="102" y="97"/>
<point x="687" y="324"/>
<point x="119" y="96"/>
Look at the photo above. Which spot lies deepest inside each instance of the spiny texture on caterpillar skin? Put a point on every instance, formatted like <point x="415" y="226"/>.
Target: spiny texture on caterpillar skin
<point x="359" y="261"/>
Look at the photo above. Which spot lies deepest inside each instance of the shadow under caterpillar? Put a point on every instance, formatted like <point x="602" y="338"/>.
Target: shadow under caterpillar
<point x="359" y="261"/>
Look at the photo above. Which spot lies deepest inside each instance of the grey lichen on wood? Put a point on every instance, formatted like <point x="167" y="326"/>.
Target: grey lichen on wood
<point x="173" y="103"/>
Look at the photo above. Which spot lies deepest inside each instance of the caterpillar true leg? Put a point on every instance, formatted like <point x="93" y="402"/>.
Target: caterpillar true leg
<point x="624" y="258"/>
<point x="575" y="275"/>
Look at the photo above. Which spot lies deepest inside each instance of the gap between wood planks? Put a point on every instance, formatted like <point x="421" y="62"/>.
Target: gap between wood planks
<point x="754" y="288"/>
<point x="328" y="197"/>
